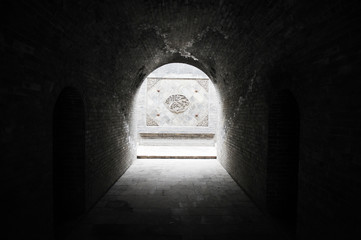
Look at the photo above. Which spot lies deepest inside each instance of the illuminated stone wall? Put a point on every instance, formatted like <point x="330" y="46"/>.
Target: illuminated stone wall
<point x="177" y="107"/>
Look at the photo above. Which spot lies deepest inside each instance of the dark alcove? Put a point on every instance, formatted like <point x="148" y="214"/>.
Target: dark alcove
<point x="68" y="168"/>
<point x="283" y="160"/>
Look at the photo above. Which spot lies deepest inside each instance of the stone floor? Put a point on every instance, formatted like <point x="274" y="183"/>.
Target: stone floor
<point x="175" y="199"/>
<point x="176" y="152"/>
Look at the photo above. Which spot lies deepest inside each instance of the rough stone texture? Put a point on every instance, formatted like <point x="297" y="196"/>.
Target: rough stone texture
<point x="250" y="49"/>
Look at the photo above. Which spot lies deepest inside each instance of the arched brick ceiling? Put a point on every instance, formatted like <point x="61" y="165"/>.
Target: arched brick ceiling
<point x="232" y="41"/>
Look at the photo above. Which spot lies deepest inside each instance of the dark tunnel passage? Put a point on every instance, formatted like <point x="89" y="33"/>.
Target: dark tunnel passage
<point x="289" y="138"/>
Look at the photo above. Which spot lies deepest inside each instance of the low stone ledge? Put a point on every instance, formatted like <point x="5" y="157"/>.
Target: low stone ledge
<point x="177" y="135"/>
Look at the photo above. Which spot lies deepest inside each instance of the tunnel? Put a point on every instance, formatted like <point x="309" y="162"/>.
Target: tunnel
<point x="289" y="130"/>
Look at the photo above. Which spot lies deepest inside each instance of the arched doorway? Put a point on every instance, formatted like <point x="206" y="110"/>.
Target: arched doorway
<point x="176" y="112"/>
<point x="283" y="160"/>
<point x="69" y="154"/>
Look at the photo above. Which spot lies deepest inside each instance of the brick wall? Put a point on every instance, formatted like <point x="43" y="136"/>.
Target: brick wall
<point x="44" y="51"/>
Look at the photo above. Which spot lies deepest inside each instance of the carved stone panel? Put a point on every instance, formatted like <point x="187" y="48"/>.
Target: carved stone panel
<point x="177" y="102"/>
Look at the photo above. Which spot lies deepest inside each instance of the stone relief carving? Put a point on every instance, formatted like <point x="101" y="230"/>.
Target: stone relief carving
<point x="177" y="103"/>
<point x="151" y="122"/>
<point x="203" y="83"/>
<point x="204" y="122"/>
<point x="151" y="82"/>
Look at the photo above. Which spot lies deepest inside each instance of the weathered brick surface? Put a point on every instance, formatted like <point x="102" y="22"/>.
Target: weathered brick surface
<point x="250" y="49"/>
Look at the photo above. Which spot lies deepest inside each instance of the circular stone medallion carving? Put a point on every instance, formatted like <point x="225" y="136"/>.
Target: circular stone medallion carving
<point x="177" y="103"/>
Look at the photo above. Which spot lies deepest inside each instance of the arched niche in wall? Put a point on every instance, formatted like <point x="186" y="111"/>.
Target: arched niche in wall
<point x="69" y="158"/>
<point x="283" y="160"/>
